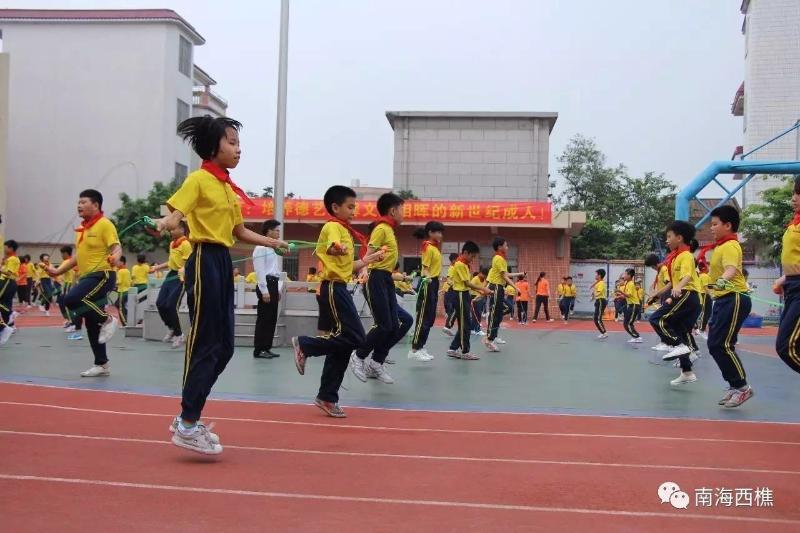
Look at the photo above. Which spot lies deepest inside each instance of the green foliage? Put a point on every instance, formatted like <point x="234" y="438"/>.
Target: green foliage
<point x="765" y="223"/>
<point x="624" y="214"/>
<point x="407" y="195"/>
<point x="137" y="240"/>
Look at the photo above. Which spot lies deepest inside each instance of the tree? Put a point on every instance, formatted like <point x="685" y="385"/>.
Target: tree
<point x="764" y="223"/>
<point x="407" y="194"/>
<point x="132" y="210"/>
<point x="624" y="214"/>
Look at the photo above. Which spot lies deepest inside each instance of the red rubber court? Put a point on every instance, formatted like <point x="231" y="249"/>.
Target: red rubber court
<point x="66" y="460"/>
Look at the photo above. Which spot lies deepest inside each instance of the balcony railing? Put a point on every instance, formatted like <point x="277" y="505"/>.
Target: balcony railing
<point x="208" y="98"/>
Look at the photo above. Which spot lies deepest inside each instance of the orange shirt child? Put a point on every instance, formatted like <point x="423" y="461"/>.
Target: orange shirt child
<point x="543" y="288"/>
<point x="524" y="291"/>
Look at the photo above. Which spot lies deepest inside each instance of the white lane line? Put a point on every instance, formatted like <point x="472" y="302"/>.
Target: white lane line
<point x="396" y="501"/>
<point x="414" y="430"/>
<point x="416" y="410"/>
<point x="419" y="457"/>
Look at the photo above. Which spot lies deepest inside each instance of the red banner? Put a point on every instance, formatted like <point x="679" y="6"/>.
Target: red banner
<point x="414" y="211"/>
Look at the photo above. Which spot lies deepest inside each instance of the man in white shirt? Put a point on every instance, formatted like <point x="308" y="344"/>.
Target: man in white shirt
<point x="265" y="263"/>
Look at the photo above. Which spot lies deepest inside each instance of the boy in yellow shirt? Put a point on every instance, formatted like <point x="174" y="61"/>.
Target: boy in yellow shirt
<point x="209" y="200"/>
<point x="705" y="300"/>
<point x="498" y="278"/>
<point x="450" y="302"/>
<point x="391" y="322"/>
<point x="786" y="344"/>
<point x="428" y="297"/>
<point x="45" y="284"/>
<point x="460" y="346"/>
<point x="600" y="301"/>
<point x="124" y="283"/>
<point x="674" y="321"/>
<point x="139" y="274"/>
<point x="8" y="288"/>
<point x="631" y="295"/>
<point x="335" y="249"/>
<point x="732" y="304"/>
<point x="171" y="292"/>
<point x="568" y="294"/>
<point x="97" y="251"/>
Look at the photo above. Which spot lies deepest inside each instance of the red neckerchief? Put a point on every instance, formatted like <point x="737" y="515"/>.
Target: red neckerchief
<point x="463" y="259"/>
<point x="701" y="257"/>
<point x="501" y="254"/>
<point x="86" y="224"/>
<point x="386" y="220"/>
<point x="357" y="235"/>
<point x="177" y="242"/>
<point x="671" y="257"/>
<point x="425" y="245"/>
<point x="224" y="176"/>
<point x="795" y="221"/>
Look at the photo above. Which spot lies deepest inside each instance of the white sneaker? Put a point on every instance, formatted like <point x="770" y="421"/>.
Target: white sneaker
<point x="551" y="320"/>
<point x="198" y="439"/>
<point x="41" y="308"/>
<point x="378" y="371"/>
<point x="358" y="367"/>
<point x="448" y="332"/>
<point x="419" y="355"/>
<point x="676" y="352"/>
<point x="492" y="347"/>
<point x="178" y="341"/>
<point x="684" y="378"/>
<point x="455" y="354"/>
<point x="498" y="340"/>
<point x="168" y="337"/>
<point x="47" y="313"/>
<point x="70" y="328"/>
<point x="96" y="371"/>
<point x="603" y="336"/>
<point x="6" y="334"/>
<point x="480" y="333"/>
<point x="174" y="427"/>
<point x="108" y="329"/>
<point x="661" y="347"/>
<point x="635" y="340"/>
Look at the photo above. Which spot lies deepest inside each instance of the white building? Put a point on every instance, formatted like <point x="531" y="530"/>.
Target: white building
<point x="94" y="100"/>
<point x="769" y="98"/>
<point x="475" y="155"/>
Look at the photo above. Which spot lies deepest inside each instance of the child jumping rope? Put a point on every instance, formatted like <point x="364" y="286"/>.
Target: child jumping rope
<point x="428" y="296"/>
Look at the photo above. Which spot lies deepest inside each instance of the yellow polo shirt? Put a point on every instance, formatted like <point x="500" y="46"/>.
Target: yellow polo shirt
<point x="123" y="279"/>
<point x="460" y="276"/>
<point x="336" y="267"/>
<point x="790" y="254"/>
<point x="11" y="267"/>
<point x="210" y="206"/>
<point x="570" y="291"/>
<point x="92" y="251"/>
<point x="432" y="260"/>
<point x="682" y="266"/>
<point x="139" y="273"/>
<point x="600" y="290"/>
<point x="727" y="254"/>
<point x="383" y="235"/>
<point x="631" y="294"/>
<point x="178" y="256"/>
<point x="499" y="265"/>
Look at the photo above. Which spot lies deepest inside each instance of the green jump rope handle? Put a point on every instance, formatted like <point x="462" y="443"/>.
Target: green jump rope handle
<point x="149" y="222"/>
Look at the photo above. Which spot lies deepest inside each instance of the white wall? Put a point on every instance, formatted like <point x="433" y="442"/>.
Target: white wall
<point x="772" y="82"/>
<point x="92" y="105"/>
<point x="480" y="158"/>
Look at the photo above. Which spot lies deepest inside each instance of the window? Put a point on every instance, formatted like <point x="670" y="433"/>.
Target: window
<point x="185" y="57"/>
<point x="180" y="172"/>
<point x="291" y="265"/>
<point x="183" y="110"/>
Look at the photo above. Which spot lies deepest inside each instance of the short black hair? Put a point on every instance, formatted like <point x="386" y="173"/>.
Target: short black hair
<point x="312" y="270"/>
<point x="601" y="272"/>
<point x="728" y="214"/>
<point x="123" y="259"/>
<point x="470" y="247"/>
<point x="141" y="258"/>
<point x="388" y="200"/>
<point x="204" y="133"/>
<point x="687" y="231"/>
<point x="92" y="195"/>
<point x="497" y="242"/>
<point x="11" y="243"/>
<point x="651" y="260"/>
<point x="337" y="194"/>
<point x="453" y="257"/>
<point x="430" y="227"/>
<point x="185" y="225"/>
<point x="568" y="277"/>
<point x="631" y="272"/>
<point x="66" y="249"/>
<point x="485" y="271"/>
<point x="42" y="256"/>
<point x="268" y="225"/>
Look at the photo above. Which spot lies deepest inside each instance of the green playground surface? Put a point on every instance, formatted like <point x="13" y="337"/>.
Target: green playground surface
<point x="551" y="370"/>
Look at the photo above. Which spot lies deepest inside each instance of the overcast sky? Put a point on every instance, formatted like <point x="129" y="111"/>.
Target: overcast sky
<point x="651" y="81"/>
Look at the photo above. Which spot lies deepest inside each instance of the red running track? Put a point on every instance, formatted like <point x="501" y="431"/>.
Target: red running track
<point x="88" y="460"/>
